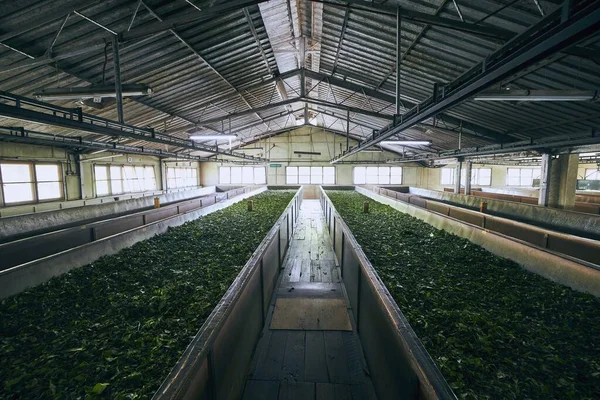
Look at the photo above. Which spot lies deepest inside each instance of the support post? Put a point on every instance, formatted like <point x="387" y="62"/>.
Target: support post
<point x="468" y="169"/>
<point x="563" y="181"/>
<point x="457" y="176"/>
<point x="347" y="130"/>
<point x="118" y="87"/>
<point x="544" y="198"/>
<point x="398" y="57"/>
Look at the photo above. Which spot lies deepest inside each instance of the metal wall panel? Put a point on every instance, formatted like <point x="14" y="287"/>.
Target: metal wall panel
<point x="467" y="216"/>
<point x="283" y="238"/>
<point x="584" y="249"/>
<point x="233" y="348"/>
<point x="24" y="250"/>
<point x="270" y="271"/>
<point x="113" y="227"/>
<point x="160" y="213"/>
<point x="511" y="229"/>
<point x="438" y="207"/>
<point x="208" y="201"/>
<point x="351" y="274"/>
<point x="385" y="354"/>
<point x="338" y="241"/>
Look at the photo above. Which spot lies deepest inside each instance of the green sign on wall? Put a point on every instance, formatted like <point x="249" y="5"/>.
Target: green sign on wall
<point x="275" y="165"/>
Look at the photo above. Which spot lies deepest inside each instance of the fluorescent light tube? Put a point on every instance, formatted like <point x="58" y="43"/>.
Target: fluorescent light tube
<point x="406" y="142"/>
<point x="212" y="137"/>
<point x="537" y="95"/>
<point x="77" y="93"/>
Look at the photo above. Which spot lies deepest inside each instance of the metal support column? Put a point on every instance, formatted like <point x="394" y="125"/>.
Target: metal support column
<point x="468" y="169"/>
<point x="457" y="174"/>
<point x="347" y="130"/>
<point x="118" y="87"/>
<point x="398" y="58"/>
<point x="544" y="195"/>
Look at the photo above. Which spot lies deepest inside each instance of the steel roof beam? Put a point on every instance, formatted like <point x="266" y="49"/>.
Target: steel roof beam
<point x="424" y="18"/>
<point x="551" y="35"/>
<point x="77" y="120"/>
<point x="26" y="136"/>
<point x="543" y="144"/>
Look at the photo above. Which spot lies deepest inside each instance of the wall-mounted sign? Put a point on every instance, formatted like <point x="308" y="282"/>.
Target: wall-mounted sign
<point x="275" y="165"/>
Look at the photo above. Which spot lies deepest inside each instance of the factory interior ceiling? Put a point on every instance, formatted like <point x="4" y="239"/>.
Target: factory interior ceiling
<point x="477" y="77"/>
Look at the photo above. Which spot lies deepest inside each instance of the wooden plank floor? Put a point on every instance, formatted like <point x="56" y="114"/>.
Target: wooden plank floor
<point x="318" y="364"/>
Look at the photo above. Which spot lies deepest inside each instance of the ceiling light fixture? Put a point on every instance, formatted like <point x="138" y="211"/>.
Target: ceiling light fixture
<point x="212" y="137"/>
<point x="99" y="92"/>
<point x="538" y="95"/>
<point x="406" y="142"/>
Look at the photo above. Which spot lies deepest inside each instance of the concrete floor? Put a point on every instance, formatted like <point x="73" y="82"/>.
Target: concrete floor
<point x="309" y="364"/>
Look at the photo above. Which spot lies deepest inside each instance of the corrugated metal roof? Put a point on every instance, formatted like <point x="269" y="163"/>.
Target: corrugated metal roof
<point x="215" y="69"/>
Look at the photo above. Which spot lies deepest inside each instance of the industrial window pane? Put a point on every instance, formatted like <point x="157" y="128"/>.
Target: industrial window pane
<point x="513" y="177"/>
<point x="384" y="175"/>
<point x="247" y="175"/>
<point x="18" y="192"/>
<point x="225" y="175"/>
<point x="116" y="186"/>
<point x="102" y="188"/>
<point x="316" y="175"/>
<point x="236" y="175"/>
<point x="260" y="177"/>
<point x="16" y="173"/>
<point x="592" y="174"/>
<point x="49" y="190"/>
<point x="304" y="175"/>
<point x="47" y="173"/>
<point x="447" y="176"/>
<point x="149" y="179"/>
<point x="360" y="175"/>
<point x="484" y="177"/>
<point x="396" y="175"/>
<point x="291" y="175"/>
<point x="100" y="172"/>
<point x="329" y="175"/>
<point x="372" y="175"/>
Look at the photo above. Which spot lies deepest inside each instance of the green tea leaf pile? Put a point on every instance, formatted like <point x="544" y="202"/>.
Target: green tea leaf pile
<point x="116" y="327"/>
<point x="495" y="330"/>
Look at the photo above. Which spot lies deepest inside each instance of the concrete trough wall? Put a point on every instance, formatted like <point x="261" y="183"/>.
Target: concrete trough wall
<point x="565" y="259"/>
<point x="35" y="247"/>
<point x="99" y="239"/>
<point x="584" y="249"/>
<point x="215" y="364"/>
<point x="90" y="211"/>
<point x="400" y="366"/>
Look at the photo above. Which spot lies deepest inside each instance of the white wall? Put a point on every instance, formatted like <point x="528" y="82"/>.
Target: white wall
<point x="280" y="150"/>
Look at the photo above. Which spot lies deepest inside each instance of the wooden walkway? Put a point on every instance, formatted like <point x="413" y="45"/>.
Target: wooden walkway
<point x="309" y="364"/>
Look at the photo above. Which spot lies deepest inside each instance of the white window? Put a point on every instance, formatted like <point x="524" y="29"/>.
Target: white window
<point x="291" y="175"/>
<point x="592" y="174"/>
<point x="479" y="176"/>
<point x="180" y="177"/>
<point x="119" y="179"/>
<point x="242" y="175"/>
<point x="377" y="175"/>
<point x="310" y="175"/>
<point x="447" y="176"/>
<point x="522" y="176"/>
<point x="28" y="182"/>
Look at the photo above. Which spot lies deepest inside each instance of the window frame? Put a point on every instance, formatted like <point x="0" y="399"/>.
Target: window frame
<point x="177" y="178"/>
<point x="475" y="176"/>
<point x="379" y="172"/>
<point x="590" y="172"/>
<point x="520" y="169"/>
<point x="34" y="183"/>
<point x="125" y="180"/>
<point x="241" y="175"/>
<point x="309" y="175"/>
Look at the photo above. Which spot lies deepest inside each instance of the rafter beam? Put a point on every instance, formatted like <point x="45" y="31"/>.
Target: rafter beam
<point x="26" y="136"/>
<point x="48" y="114"/>
<point x="551" y="35"/>
<point x="342" y="34"/>
<point x="424" y="18"/>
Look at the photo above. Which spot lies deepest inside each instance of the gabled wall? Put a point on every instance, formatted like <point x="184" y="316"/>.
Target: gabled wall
<point x="280" y="150"/>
